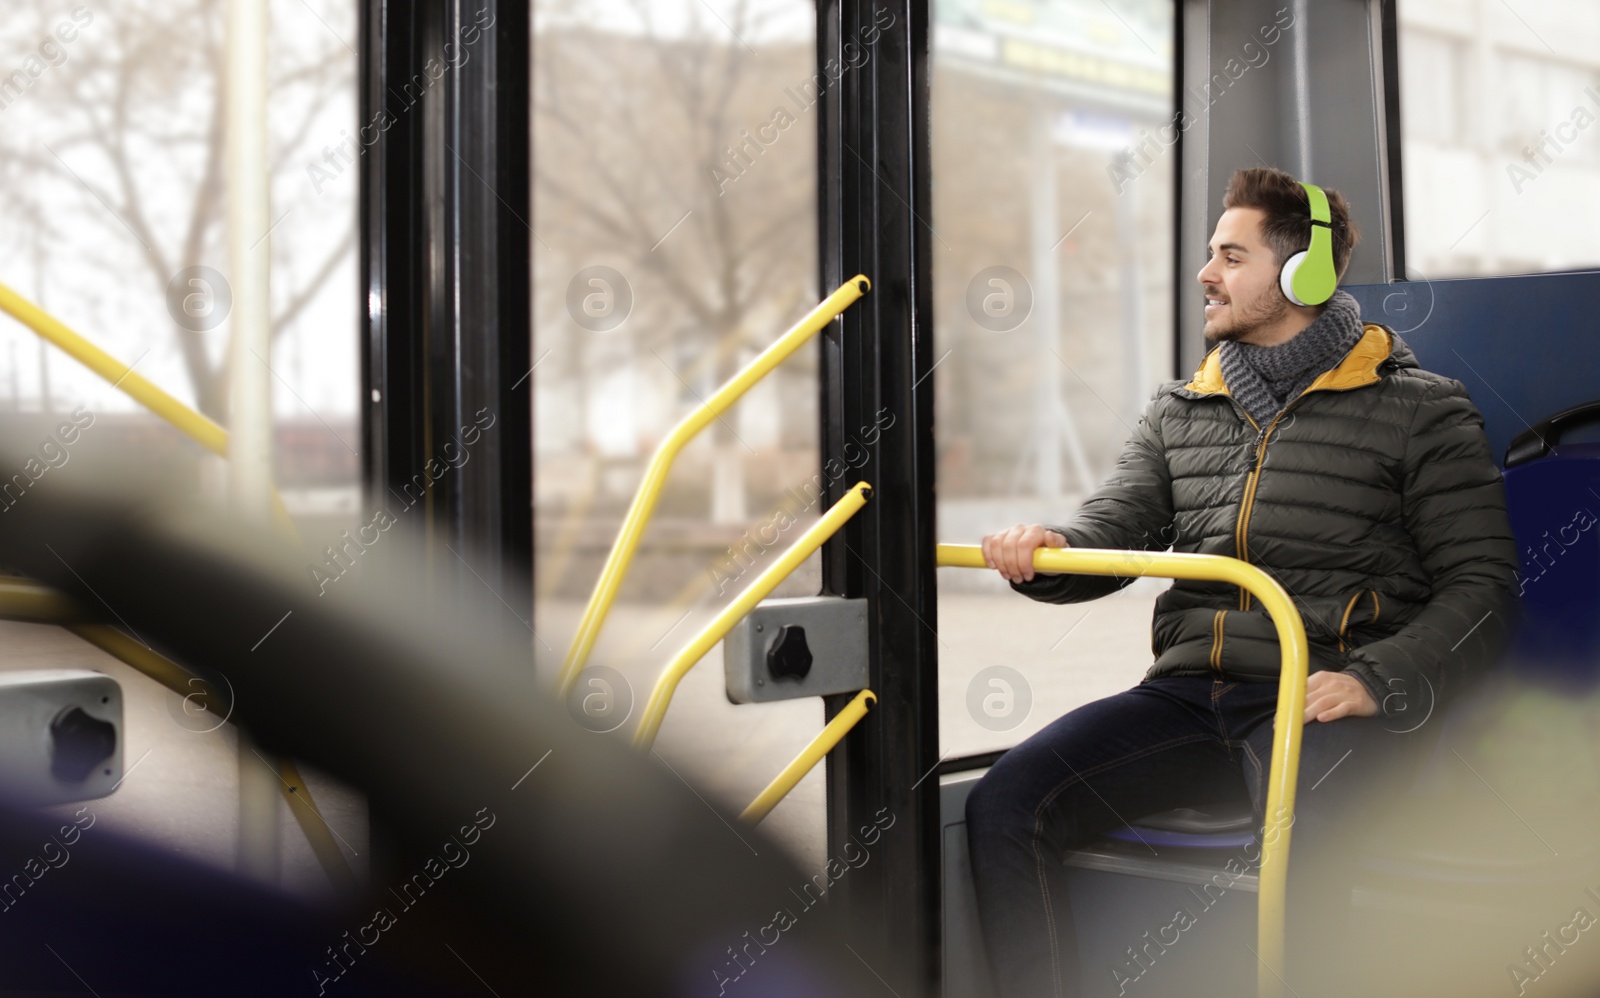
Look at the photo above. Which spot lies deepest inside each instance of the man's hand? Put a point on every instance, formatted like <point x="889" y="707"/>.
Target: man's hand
<point x="1011" y="551"/>
<point x="1332" y="695"/>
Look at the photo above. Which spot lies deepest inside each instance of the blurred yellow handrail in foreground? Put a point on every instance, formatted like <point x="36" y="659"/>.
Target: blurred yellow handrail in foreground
<point x="1287" y="721"/>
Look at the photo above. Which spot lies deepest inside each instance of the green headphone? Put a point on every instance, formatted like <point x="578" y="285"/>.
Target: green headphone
<point x="1307" y="278"/>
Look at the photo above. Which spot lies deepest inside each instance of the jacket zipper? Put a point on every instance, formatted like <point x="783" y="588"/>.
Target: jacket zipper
<point x="1218" y="624"/>
<point x="1219" y="619"/>
<point x="1344" y="623"/>
<point x="1241" y="529"/>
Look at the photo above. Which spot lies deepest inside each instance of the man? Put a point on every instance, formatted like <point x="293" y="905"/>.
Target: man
<point x="1316" y="449"/>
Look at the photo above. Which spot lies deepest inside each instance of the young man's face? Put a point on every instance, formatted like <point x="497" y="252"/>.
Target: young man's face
<point x="1243" y="300"/>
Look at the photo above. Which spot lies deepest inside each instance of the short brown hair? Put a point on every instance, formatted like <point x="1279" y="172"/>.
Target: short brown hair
<point x="1287" y="226"/>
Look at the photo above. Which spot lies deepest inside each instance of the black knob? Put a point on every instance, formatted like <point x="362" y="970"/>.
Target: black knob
<point x="787" y="656"/>
<point x="80" y="743"/>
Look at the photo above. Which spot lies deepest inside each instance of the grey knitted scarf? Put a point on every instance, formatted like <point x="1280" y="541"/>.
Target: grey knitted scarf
<point x="1265" y="379"/>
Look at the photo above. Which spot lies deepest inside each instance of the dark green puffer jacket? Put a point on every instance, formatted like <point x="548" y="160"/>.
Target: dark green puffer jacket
<point x="1371" y="498"/>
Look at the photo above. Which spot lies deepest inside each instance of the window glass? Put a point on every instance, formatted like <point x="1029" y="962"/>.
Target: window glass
<point x="1052" y="201"/>
<point x="1430" y="75"/>
<point x="1500" y="137"/>
<point x="674" y="154"/>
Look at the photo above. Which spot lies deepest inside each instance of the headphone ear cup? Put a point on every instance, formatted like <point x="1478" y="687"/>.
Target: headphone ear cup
<point x="1286" y="276"/>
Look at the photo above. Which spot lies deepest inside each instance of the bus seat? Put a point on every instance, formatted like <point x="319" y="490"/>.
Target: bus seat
<point x="1553" y="495"/>
<point x="1228" y="825"/>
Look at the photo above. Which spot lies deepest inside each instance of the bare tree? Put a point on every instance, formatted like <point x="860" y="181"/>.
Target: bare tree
<point x="651" y="148"/>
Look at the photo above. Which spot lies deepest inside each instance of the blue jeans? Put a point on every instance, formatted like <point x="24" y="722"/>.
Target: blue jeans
<point x="1168" y="743"/>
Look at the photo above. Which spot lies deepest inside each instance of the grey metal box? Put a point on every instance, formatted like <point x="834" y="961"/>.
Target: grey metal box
<point x="835" y="633"/>
<point x="61" y="735"/>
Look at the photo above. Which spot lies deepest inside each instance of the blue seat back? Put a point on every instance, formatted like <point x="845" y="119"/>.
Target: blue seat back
<point x="1525" y="347"/>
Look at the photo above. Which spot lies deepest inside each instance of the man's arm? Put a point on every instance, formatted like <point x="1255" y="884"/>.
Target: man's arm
<point x="1454" y="507"/>
<point x="1131" y="510"/>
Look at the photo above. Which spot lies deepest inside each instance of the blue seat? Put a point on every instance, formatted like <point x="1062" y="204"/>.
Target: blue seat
<point x="1553" y="492"/>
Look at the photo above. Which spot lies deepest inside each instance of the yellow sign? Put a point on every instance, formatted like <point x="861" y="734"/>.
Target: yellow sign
<point x="1060" y="62"/>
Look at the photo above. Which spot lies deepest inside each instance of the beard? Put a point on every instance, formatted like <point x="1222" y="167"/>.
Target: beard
<point x="1239" y="322"/>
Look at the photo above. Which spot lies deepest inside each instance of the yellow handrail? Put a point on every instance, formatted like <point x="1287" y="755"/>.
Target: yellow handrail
<point x="655" y="475"/>
<point x="155" y="665"/>
<point x="1287" y="721"/>
<point x="318" y="833"/>
<point x="36" y="603"/>
<point x="196" y="426"/>
<point x="207" y="433"/>
<point x="661" y="696"/>
<point x="27" y="600"/>
<point x="820" y="746"/>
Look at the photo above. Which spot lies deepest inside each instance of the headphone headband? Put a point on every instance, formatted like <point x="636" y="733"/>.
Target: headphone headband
<point x="1318" y="203"/>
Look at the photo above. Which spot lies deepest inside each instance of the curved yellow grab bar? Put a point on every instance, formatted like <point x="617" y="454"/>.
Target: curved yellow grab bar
<point x="766" y="582"/>
<point x="196" y="426"/>
<point x="820" y="746"/>
<point x="655" y="475"/>
<point x="1288" y="721"/>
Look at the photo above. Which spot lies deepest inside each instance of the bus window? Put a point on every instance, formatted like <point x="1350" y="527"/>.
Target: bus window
<point x="1500" y="143"/>
<point x="674" y="173"/>
<point x="1054" y="138"/>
